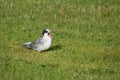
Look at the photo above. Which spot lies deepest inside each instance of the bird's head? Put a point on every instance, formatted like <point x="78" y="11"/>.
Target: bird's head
<point x="46" y="32"/>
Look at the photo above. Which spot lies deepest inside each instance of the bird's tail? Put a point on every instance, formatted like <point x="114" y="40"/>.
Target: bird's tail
<point x="27" y="44"/>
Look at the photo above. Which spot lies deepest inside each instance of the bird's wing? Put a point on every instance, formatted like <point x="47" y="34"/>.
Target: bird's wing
<point x="38" y="41"/>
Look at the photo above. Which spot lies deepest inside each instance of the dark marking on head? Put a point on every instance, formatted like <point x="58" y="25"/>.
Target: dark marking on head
<point x="44" y="31"/>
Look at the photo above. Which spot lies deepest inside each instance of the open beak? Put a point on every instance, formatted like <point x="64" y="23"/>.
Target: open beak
<point x="49" y="34"/>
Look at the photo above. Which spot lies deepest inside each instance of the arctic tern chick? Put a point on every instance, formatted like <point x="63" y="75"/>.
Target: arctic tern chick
<point x="40" y="44"/>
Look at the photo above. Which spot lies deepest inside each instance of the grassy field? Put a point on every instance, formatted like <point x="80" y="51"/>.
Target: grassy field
<point x="86" y="39"/>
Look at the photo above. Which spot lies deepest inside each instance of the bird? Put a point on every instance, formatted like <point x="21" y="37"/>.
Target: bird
<point x="40" y="44"/>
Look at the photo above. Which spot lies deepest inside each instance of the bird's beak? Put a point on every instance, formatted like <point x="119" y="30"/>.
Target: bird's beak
<point x="49" y="34"/>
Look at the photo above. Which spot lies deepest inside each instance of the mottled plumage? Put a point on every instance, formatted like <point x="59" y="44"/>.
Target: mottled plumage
<point x="41" y="43"/>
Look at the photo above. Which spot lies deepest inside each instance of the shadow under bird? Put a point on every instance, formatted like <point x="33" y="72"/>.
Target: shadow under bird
<point x="40" y="44"/>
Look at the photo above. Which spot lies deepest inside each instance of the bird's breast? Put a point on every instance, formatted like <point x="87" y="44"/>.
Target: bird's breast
<point x="47" y="43"/>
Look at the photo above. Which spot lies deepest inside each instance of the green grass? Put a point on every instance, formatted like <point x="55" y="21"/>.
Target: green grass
<point x="86" y="39"/>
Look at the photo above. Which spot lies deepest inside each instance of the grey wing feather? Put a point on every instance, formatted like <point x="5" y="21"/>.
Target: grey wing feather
<point x="37" y="42"/>
<point x="27" y="44"/>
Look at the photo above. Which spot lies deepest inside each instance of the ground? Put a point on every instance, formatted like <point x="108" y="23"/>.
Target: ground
<point x="86" y="39"/>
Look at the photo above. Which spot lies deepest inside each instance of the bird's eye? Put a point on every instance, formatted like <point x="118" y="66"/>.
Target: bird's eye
<point x="46" y="31"/>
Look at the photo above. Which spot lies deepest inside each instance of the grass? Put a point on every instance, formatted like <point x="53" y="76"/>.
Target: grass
<point x="86" y="39"/>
